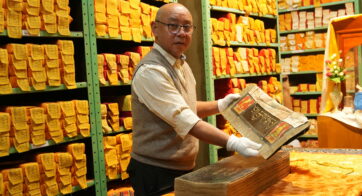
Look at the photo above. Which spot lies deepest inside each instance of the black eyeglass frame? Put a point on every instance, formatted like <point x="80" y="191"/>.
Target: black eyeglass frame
<point x="170" y="25"/>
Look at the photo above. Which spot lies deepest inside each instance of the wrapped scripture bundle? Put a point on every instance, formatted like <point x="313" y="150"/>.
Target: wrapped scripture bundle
<point x="124" y="147"/>
<point x="79" y="167"/>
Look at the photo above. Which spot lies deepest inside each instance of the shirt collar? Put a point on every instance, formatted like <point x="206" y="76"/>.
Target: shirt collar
<point x="169" y="57"/>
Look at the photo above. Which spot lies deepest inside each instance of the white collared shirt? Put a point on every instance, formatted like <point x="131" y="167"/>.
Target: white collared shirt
<point x="156" y="89"/>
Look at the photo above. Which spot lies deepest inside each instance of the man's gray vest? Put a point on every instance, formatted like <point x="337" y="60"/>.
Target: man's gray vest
<point x="154" y="141"/>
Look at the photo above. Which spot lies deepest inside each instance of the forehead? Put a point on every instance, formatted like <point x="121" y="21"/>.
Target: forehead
<point x="179" y="15"/>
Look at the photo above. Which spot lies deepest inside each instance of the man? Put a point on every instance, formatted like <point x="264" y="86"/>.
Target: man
<point x="166" y="114"/>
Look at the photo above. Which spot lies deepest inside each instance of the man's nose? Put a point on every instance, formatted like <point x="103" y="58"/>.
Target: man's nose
<point x="182" y="31"/>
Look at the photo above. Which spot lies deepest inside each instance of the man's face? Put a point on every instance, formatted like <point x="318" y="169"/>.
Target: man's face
<point x="173" y="42"/>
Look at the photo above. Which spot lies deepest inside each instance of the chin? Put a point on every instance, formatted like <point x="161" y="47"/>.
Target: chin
<point x="177" y="52"/>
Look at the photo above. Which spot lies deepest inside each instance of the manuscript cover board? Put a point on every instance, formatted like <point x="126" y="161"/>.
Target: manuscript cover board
<point x="262" y="119"/>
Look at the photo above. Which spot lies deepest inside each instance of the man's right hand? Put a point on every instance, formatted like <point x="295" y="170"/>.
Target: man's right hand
<point x="243" y="146"/>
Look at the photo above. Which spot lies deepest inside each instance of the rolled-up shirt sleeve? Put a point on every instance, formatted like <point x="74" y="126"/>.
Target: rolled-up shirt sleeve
<point x="155" y="88"/>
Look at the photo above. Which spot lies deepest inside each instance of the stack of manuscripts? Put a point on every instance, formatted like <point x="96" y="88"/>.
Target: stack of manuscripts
<point x="235" y="175"/>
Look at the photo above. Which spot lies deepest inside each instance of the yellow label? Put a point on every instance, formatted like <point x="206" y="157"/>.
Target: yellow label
<point x="64" y="159"/>
<point x="51" y="51"/>
<point x="63" y="4"/>
<point x="15" y="176"/>
<point x="63" y="25"/>
<point x="66" y="47"/>
<point x="47" y="160"/>
<point x="4" y="59"/>
<point x="82" y="106"/>
<point x="51" y="28"/>
<point x="48" y="5"/>
<point x="4" y="122"/>
<point x="112" y="6"/>
<point x="38" y="139"/>
<point x="31" y="171"/>
<point x="34" y="22"/>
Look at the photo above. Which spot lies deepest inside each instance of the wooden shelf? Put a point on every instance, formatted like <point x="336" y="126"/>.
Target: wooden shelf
<point x="311" y="115"/>
<point x="245" y="75"/>
<point x="119" y="84"/>
<point x="302" y="73"/>
<point x="117" y="178"/>
<point x="48" y="88"/>
<point x="107" y="37"/>
<point x="236" y="11"/>
<point x="121" y="130"/>
<point x="312" y="6"/>
<point x="49" y="143"/>
<point x="90" y="183"/>
<point x="271" y="45"/>
<point x="73" y="34"/>
<point x="309" y="136"/>
<point x="304" y="30"/>
<point x="303" y="51"/>
<point x="306" y="93"/>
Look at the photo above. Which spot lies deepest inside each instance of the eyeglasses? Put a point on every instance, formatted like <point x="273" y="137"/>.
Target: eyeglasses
<point x="175" y="28"/>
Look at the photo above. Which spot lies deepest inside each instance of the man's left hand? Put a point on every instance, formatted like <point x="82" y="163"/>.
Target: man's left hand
<point x="226" y="101"/>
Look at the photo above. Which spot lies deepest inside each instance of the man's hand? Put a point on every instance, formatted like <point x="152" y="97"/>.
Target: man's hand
<point x="223" y="103"/>
<point x="243" y="146"/>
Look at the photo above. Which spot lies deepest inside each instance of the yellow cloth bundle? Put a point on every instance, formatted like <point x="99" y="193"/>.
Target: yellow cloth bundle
<point x="125" y="33"/>
<point x="2" y="19"/>
<point x="4" y="133"/>
<point x="31" y="172"/>
<point x="33" y="22"/>
<point x="79" y="173"/>
<point x="82" y="108"/>
<point x="47" y="168"/>
<point x="111" y="156"/>
<point x="19" y="129"/>
<point x="36" y="69"/>
<point x="1" y="184"/>
<point x="113" y="116"/>
<point x="69" y="118"/>
<point x="17" y="66"/>
<point x="111" y="68"/>
<point x="126" y="141"/>
<point x="105" y="127"/>
<point x="15" y="179"/>
<point x="76" y="150"/>
<point x="14" y="21"/>
<point x="64" y="23"/>
<point x="100" y="6"/>
<point x="53" y="125"/>
<point x="5" y="86"/>
<point x="82" y="116"/>
<point x="101" y="61"/>
<point x="81" y="162"/>
<point x="52" y="64"/>
<point x="64" y="162"/>
<point x="67" y="65"/>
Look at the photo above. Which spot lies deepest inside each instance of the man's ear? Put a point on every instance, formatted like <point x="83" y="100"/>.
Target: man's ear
<point x="154" y="27"/>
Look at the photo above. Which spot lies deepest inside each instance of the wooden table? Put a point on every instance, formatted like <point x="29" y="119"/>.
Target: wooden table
<point x="336" y="134"/>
